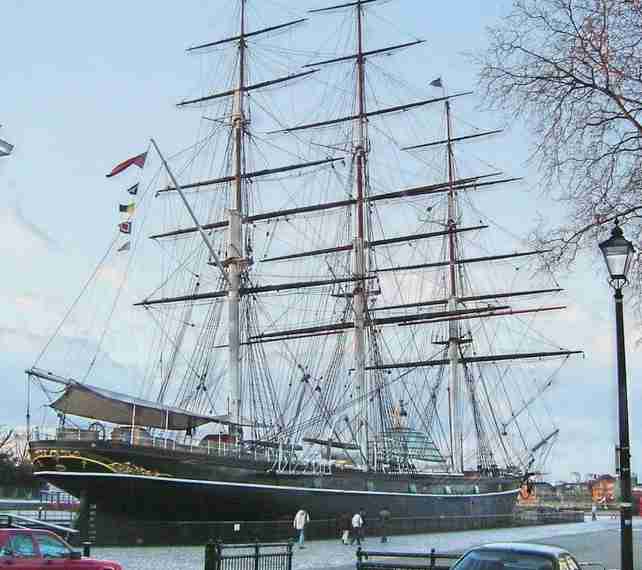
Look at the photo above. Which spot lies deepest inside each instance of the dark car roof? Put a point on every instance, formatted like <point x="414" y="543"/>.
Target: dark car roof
<point x="524" y="547"/>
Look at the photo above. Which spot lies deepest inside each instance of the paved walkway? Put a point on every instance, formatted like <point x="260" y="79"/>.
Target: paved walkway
<point x="327" y="553"/>
<point x="596" y="541"/>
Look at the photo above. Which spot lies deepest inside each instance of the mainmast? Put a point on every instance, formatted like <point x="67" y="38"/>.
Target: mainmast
<point x="359" y="258"/>
<point x="455" y="387"/>
<point x="235" y="259"/>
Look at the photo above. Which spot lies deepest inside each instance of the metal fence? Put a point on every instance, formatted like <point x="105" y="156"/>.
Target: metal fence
<point x="404" y="560"/>
<point x="108" y="531"/>
<point x="252" y="556"/>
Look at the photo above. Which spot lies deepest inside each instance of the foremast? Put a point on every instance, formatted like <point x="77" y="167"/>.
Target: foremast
<point x="359" y="257"/>
<point x="235" y="259"/>
<point x="238" y="259"/>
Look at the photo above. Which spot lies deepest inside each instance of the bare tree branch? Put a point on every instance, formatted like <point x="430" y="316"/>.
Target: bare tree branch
<point x="4" y="438"/>
<point x="572" y="71"/>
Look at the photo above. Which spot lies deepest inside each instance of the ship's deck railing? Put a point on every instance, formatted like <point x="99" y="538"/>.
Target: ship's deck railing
<point x="281" y="456"/>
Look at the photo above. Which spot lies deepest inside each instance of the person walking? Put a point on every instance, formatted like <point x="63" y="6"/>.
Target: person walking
<point x="344" y="527"/>
<point x="301" y="519"/>
<point x="594" y="512"/>
<point x="362" y="512"/>
<point x="357" y="528"/>
<point x="384" y="515"/>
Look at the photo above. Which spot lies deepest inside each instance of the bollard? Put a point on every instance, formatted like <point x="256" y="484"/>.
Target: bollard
<point x="359" y="557"/>
<point x="210" y="555"/>
<point x="290" y="546"/>
<point x="256" y="554"/>
<point x="86" y="549"/>
<point x="432" y="558"/>
<point x="219" y="554"/>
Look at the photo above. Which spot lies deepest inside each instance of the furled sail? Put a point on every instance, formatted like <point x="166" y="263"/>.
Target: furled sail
<point x="100" y="404"/>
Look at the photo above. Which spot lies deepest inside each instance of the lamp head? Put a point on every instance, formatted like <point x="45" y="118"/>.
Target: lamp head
<point x="618" y="254"/>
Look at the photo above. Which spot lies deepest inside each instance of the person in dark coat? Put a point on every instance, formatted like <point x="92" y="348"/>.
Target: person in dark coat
<point x="384" y="515"/>
<point x="343" y="523"/>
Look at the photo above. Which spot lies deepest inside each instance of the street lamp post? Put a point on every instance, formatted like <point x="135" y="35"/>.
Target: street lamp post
<point x="618" y="253"/>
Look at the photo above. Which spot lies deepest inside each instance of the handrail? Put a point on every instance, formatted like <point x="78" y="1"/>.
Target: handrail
<point x="253" y="544"/>
<point x="39" y="523"/>
<point x="220" y="448"/>
<point x="389" y="554"/>
<point x="429" y="559"/>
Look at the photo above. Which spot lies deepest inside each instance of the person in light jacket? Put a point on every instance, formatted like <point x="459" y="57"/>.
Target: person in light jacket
<point x="357" y="528"/>
<point x="301" y="519"/>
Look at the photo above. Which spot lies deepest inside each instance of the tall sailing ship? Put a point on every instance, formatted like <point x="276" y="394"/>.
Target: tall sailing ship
<point x="331" y="328"/>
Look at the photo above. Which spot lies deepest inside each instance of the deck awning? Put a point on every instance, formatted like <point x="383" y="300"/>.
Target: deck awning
<point x="105" y="405"/>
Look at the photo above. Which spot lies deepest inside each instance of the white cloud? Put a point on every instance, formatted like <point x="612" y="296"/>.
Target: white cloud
<point x="21" y="236"/>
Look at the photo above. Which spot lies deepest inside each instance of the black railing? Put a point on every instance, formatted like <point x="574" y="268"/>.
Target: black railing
<point x="405" y="560"/>
<point x="106" y="531"/>
<point x="252" y="556"/>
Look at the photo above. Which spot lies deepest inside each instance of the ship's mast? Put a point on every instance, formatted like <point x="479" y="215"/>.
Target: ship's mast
<point x="235" y="251"/>
<point x="359" y="258"/>
<point x="455" y="399"/>
<point x="453" y="308"/>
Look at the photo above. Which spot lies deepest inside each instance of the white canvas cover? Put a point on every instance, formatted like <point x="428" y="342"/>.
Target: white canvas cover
<point x="105" y="405"/>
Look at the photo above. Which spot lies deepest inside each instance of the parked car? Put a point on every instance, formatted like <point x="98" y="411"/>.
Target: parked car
<point x="517" y="556"/>
<point x="27" y="549"/>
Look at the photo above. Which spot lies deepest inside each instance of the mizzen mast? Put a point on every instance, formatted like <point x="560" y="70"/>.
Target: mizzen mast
<point x="455" y="403"/>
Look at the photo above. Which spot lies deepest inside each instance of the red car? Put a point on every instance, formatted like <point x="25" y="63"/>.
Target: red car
<point x="26" y="549"/>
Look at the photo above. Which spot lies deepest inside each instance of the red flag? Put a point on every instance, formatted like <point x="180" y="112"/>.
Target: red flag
<point x="138" y="160"/>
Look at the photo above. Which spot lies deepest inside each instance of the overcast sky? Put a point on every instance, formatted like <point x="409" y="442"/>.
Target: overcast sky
<point x="86" y="84"/>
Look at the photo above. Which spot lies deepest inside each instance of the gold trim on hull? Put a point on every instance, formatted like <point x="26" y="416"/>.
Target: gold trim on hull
<point x="57" y="459"/>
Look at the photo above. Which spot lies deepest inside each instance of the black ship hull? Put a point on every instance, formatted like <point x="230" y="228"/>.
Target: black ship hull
<point x="154" y="498"/>
<point x="145" y="491"/>
<point x="143" y="509"/>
